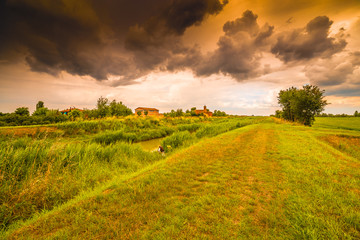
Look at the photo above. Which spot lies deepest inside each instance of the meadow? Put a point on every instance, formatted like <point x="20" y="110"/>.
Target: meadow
<point x="43" y="167"/>
<point x="348" y="123"/>
<point x="221" y="178"/>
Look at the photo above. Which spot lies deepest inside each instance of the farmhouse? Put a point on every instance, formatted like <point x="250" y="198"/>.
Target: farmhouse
<point x="66" y="111"/>
<point x="205" y="111"/>
<point x="151" y="111"/>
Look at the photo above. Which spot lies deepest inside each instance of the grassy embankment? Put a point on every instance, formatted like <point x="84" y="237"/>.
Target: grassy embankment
<point x="269" y="180"/>
<point x="43" y="169"/>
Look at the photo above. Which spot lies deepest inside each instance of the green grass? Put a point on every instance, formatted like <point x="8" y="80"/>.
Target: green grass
<point x="39" y="172"/>
<point x="261" y="181"/>
<point x="349" y="123"/>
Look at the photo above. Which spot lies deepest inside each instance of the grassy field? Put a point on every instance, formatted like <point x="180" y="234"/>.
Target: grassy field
<point x="241" y="178"/>
<point x="42" y="168"/>
<point x="349" y="123"/>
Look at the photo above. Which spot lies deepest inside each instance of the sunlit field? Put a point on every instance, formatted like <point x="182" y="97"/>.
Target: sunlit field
<point x="220" y="178"/>
<point x="350" y="123"/>
<point x="43" y="167"/>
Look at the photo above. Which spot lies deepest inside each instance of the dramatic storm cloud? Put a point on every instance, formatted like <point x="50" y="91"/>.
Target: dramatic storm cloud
<point x="239" y="50"/>
<point x="87" y="38"/>
<point x="227" y="54"/>
<point x="304" y="44"/>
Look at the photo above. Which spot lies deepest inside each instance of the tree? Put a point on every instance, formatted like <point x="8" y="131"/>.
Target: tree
<point x="218" y="113"/>
<point x="356" y="114"/>
<point x="40" y="104"/>
<point x="41" y="110"/>
<point x="138" y="113"/>
<point x="278" y="114"/>
<point x="192" y="111"/>
<point x="119" y="109"/>
<point x="146" y="112"/>
<point x="22" y="111"/>
<point x="172" y="113"/>
<point x="286" y="99"/>
<point x="74" y="114"/>
<point x="301" y="105"/>
<point x="103" y="108"/>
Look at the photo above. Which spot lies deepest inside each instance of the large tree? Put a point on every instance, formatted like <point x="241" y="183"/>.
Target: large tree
<point x="102" y="107"/>
<point x="301" y="105"/>
<point x="40" y="104"/>
<point x="22" y="111"/>
<point x="106" y="108"/>
<point x="119" y="109"/>
<point x="41" y="110"/>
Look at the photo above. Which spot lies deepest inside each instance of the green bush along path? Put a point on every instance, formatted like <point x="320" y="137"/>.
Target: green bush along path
<point x="263" y="181"/>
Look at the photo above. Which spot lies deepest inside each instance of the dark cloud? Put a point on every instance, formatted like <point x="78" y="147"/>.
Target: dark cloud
<point x="340" y="70"/>
<point x="239" y="50"/>
<point x="322" y="75"/>
<point x="346" y="90"/>
<point x="308" y="43"/>
<point x="129" y="39"/>
<point x="174" y="19"/>
<point x="156" y="43"/>
<point x="245" y="24"/>
<point x="98" y="38"/>
<point x="340" y="73"/>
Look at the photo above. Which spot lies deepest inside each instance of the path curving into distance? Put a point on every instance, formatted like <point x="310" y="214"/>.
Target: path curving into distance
<point x="264" y="181"/>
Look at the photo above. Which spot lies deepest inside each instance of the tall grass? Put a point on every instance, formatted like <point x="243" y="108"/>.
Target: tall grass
<point x="40" y="174"/>
<point x="48" y="169"/>
<point x="189" y="127"/>
<point x="185" y="138"/>
<point x="177" y="140"/>
<point x="224" y="126"/>
<point x="127" y="124"/>
<point x="130" y="137"/>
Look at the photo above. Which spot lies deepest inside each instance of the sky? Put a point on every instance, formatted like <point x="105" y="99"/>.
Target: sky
<point x="230" y="55"/>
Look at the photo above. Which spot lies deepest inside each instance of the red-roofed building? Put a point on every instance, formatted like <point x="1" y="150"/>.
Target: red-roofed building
<point x="151" y="111"/>
<point x="205" y="111"/>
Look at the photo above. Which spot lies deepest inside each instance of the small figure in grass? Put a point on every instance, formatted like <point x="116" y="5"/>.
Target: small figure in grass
<point x="161" y="150"/>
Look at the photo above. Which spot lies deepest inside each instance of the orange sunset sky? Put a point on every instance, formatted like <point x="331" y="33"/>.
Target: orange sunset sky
<point x="231" y="55"/>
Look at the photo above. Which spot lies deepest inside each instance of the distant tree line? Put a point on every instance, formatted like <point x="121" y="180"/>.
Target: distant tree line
<point x="43" y="115"/>
<point x="104" y="108"/>
<point x="301" y="105"/>
<point x="191" y="113"/>
<point x="356" y="114"/>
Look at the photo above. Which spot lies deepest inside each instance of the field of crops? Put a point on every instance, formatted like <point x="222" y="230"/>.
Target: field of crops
<point x="221" y="178"/>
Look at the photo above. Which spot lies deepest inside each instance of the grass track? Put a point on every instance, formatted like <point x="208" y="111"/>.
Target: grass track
<point x="268" y="181"/>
